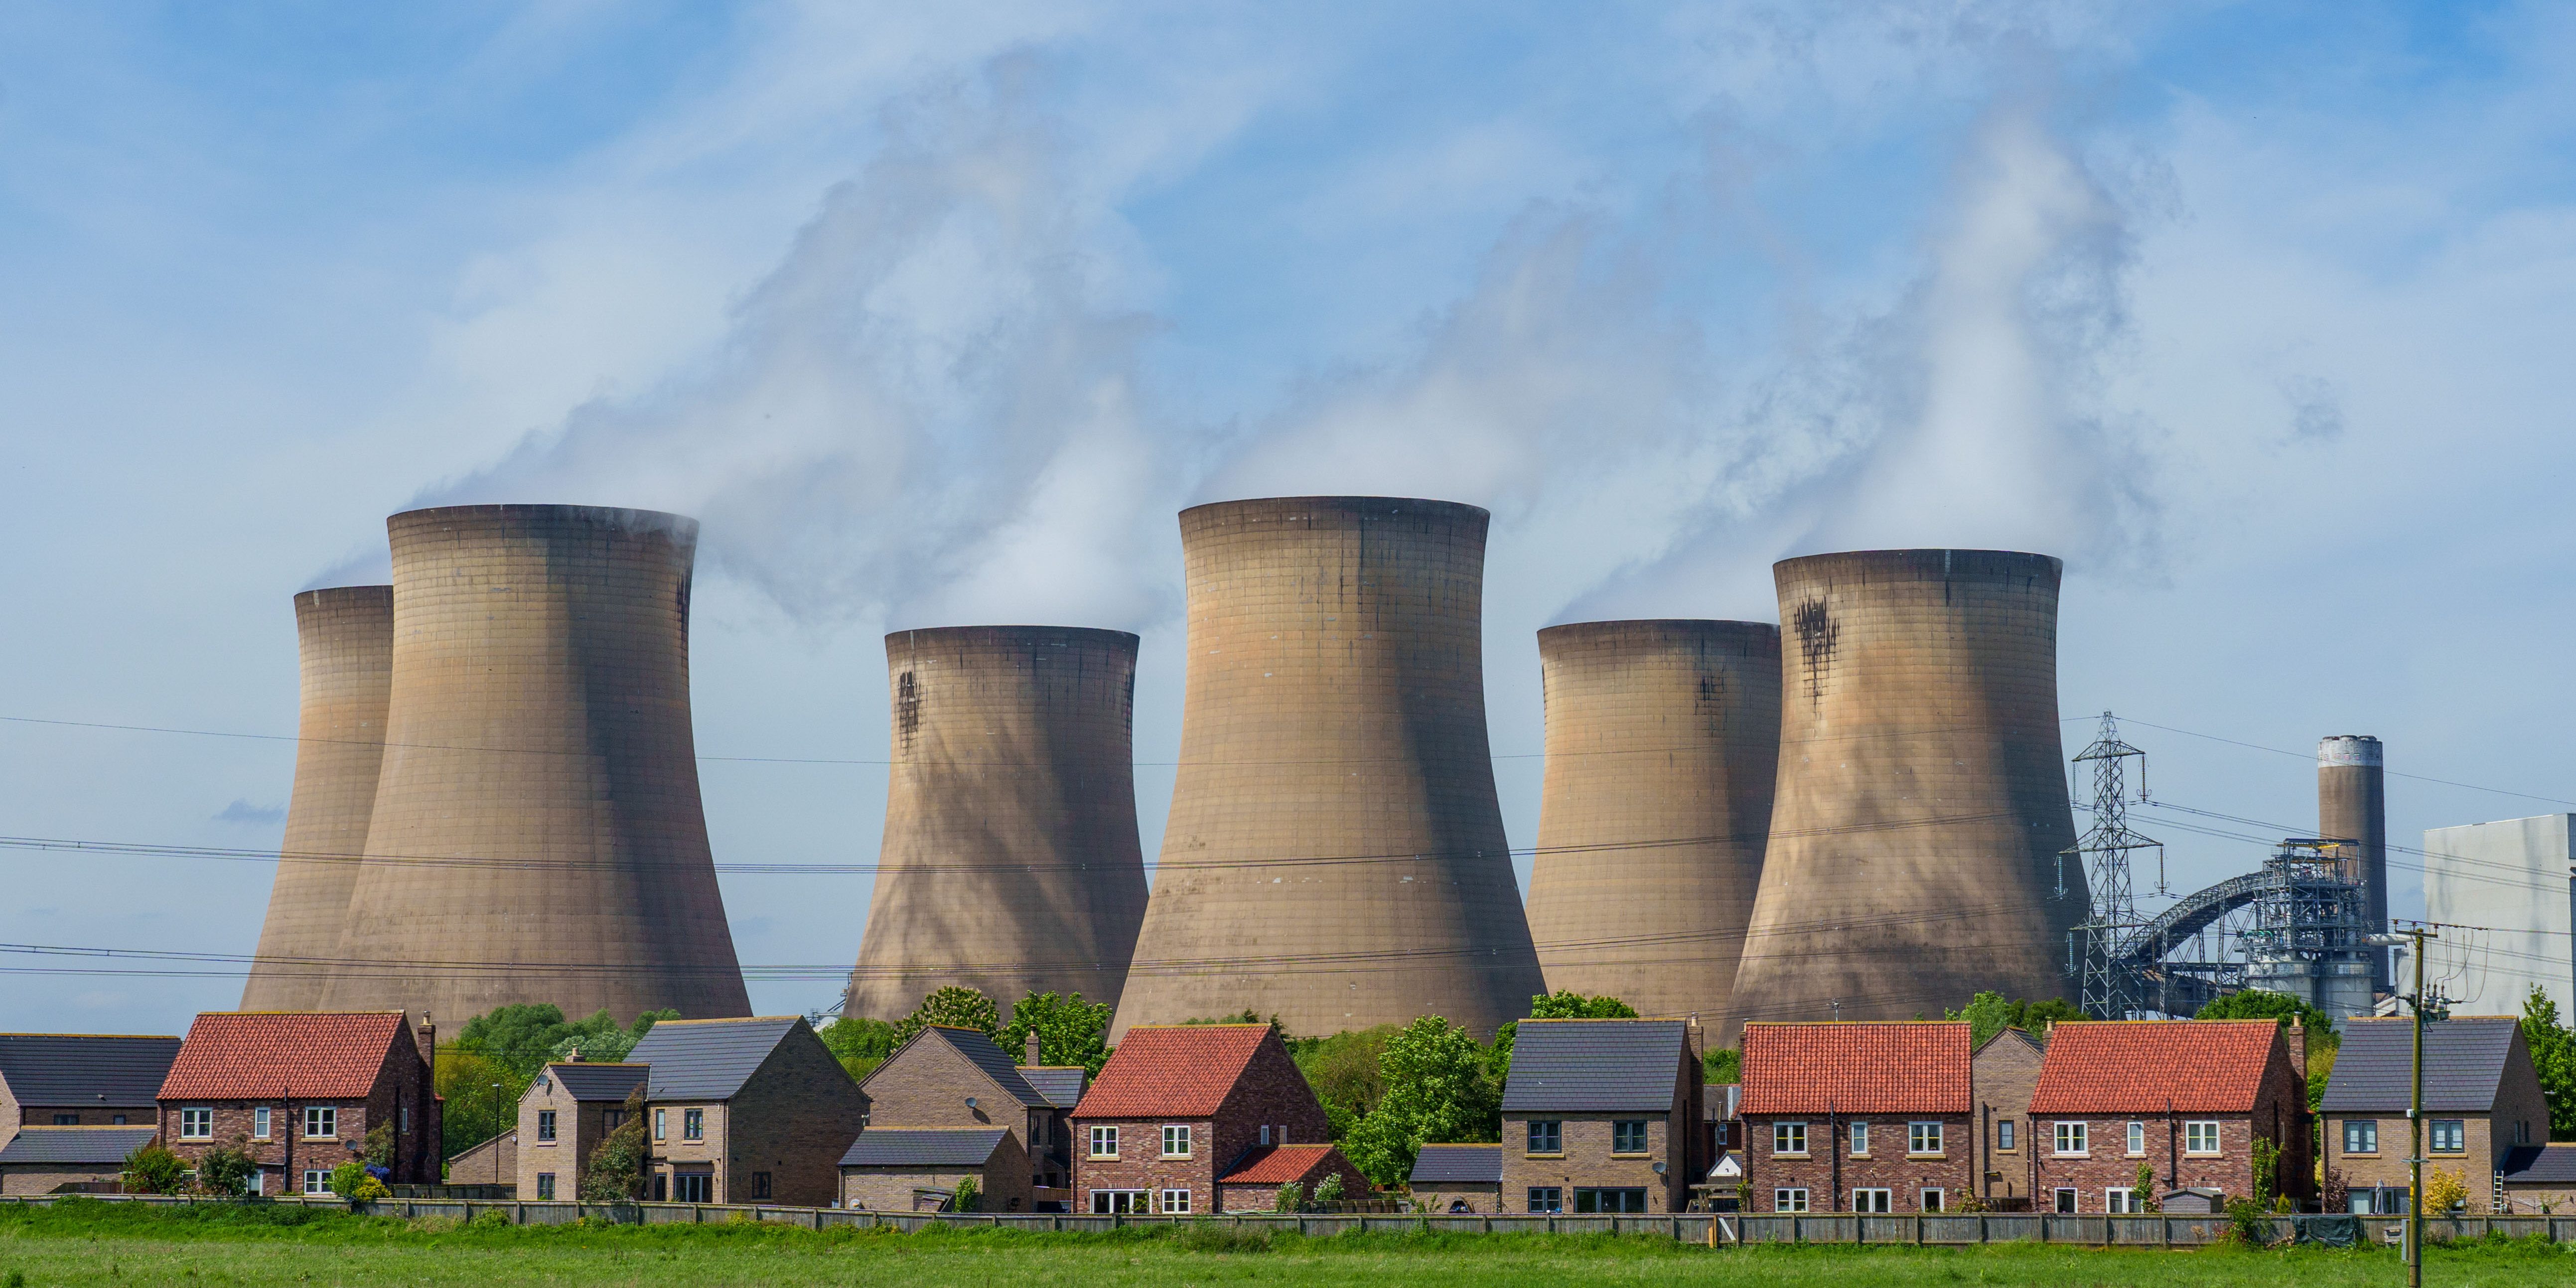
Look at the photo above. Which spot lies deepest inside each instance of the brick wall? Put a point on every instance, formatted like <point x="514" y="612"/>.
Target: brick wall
<point x="2004" y="1074"/>
<point x="793" y="1119"/>
<point x="85" y="1116"/>
<point x="889" y="1191"/>
<point x="580" y="1127"/>
<point x="1140" y="1164"/>
<point x="285" y="1154"/>
<point x="2108" y="1165"/>
<point x="1478" y="1198"/>
<point x="1587" y="1161"/>
<point x="1829" y="1174"/>
<point x="35" y="1178"/>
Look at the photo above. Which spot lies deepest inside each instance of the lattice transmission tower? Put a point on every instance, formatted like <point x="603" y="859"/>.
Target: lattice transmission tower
<point x="2107" y="991"/>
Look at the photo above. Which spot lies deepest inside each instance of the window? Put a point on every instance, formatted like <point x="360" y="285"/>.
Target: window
<point x="545" y="1186"/>
<point x="2449" y="1136"/>
<point x="1935" y="1200"/>
<point x="1628" y="1136"/>
<point x="1546" y="1198"/>
<point x="2200" y="1137"/>
<point x="661" y="1123"/>
<point x="693" y="1124"/>
<point x="1789" y="1138"/>
<point x="1176" y="1203"/>
<point x="321" y="1122"/>
<point x="316" y="1181"/>
<point x="405" y="1128"/>
<point x="693" y="1187"/>
<point x="1104" y="1144"/>
<point x="2137" y="1140"/>
<point x="760" y="1185"/>
<point x="2361" y="1135"/>
<point x="1104" y="1202"/>
<point x="196" y="1124"/>
<point x="545" y="1126"/>
<point x="1922" y="1138"/>
<point x="116" y="1120"/>
<point x="1265" y="1133"/>
<point x="2521" y="1132"/>
<point x="1793" y="1200"/>
<point x="2070" y="1139"/>
<point x="2004" y="1135"/>
<point x="259" y="1122"/>
<point x="1590" y="1200"/>
<point x="2066" y="1201"/>
<point x="1176" y="1141"/>
<point x="1860" y="1140"/>
<point x="2117" y="1201"/>
<point x="1546" y="1136"/>
<point x="611" y="1118"/>
<point x="67" y="1120"/>
<point x="1873" y="1200"/>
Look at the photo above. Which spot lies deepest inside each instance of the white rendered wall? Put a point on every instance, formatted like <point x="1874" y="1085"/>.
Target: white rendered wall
<point x="2511" y="876"/>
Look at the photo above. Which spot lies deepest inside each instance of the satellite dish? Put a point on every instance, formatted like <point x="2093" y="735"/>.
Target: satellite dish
<point x="1659" y="1169"/>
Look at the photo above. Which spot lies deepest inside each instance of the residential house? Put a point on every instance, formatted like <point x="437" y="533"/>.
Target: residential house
<point x="2482" y="1102"/>
<point x="81" y="1079"/>
<point x="744" y="1111"/>
<point x="1180" y="1108"/>
<point x="1051" y="1140"/>
<point x="49" y="1159"/>
<point x="2539" y="1179"/>
<point x="494" y="1162"/>
<point x="2005" y="1071"/>
<point x="2187" y="1100"/>
<point x="1253" y="1183"/>
<point x="301" y="1093"/>
<point x="1458" y="1178"/>
<point x="1859" y="1117"/>
<point x="956" y="1077"/>
<point x="567" y="1110"/>
<point x="1602" y="1116"/>
<point x="918" y="1169"/>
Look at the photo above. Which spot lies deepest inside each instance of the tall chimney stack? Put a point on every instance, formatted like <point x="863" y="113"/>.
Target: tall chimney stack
<point x="2352" y="807"/>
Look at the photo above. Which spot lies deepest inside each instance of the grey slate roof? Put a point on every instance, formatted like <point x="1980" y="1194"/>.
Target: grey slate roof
<point x="1459" y="1164"/>
<point x="924" y="1147"/>
<point x="1594" y="1066"/>
<point x="2539" y="1165"/>
<point x="985" y="1055"/>
<point x="1060" y="1087"/>
<point x="76" y="1144"/>
<point x="708" y="1059"/>
<point x="587" y="1081"/>
<point x="85" y="1068"/>
<point x="1718" y="1103"/>
<point x="2464" y="1059"/>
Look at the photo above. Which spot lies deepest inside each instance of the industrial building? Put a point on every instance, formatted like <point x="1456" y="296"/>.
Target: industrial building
<point x="1335" y="852"/>
<point x="537" y="834"/>
<point x="1010" y="863"/>
<point x="1663" y="738"/>
<point x="344" y="646"/>
<point x="2518" y="878"/>
<point x="2352" y="808"/>
<point x="1921" y="807"/>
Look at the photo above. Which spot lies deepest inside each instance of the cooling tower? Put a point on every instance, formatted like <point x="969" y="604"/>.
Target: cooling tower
<point x="1921" y="802"/>
<point x="1010" y="862"/>
<point x="1335" y="855"/>
<point x="537" y="835"/>
<point x="344" y="643"/>
<point x="1662" y="741"/>
<point x="2352" y="806"/>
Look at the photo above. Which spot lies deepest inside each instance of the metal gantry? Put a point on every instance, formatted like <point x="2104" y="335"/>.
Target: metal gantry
<point x="2108" y="988"/>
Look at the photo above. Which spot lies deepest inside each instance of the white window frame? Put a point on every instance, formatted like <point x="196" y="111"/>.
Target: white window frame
<point x="1104" y="1202"/>
<point x="2357" y="1126"/>
<point x="1789" y="1198"/>
<point x="1176" y="1134"/>
<point x="197" y="1124"/>
<point x="1788" y="1140"/>
<point x="2137" y="1140"/>
<point x="1925" y="1139"/>
<point x="661" y="1124"/>
<point x="1933" y="1198"/>
<point x="1104" y="1134"/>
<point x="1859" y="1140"/>
<point x="2072" y="1138"/>
<point x="2120" y="1200"/>
<point x="316" y="1181"/>
<point x="2074" y="1201"/>
<point x="1174" y="1203"/>
<point x="323" y="1117"/>
<point x="1873" y="1200"/>
<point x="259" y="1124"/>
<point x="2197" y="1130"/>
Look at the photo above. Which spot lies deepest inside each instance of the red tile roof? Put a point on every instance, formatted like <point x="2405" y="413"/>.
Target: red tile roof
<point x="2146" y="1066"/>
<point x="250" y="1055"/>
<point x="1172" y="1070"/>
<point x="1278" y="1164"/>
<point x="1901" y="1068"/>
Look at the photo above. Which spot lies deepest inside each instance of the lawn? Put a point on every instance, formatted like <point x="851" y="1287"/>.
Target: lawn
<point x="97" y="1243"/>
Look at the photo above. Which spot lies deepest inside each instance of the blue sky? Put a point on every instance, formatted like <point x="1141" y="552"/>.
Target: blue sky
<point x="935" y="314"/>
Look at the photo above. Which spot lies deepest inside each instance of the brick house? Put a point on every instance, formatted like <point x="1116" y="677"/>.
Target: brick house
<point x="1252" y="1184"/>
<point x="2005" y="1071"/>
<point x="43" y="1160"/>
<point x="917" y="1169"/>
<point x="1602" y="1116"/>
<point x="1179" y="1106"/>
<point x="2187" y="1098"/>
<point x="300" y="1092"/>
<point x="567" y="1110"/>
<point x="1458" y="1178"/>
<point x="2482" y="1101"/>
<point x="81" y="1080"/>
<point x="956" y="1077"/>
<point x="1871" y="1117"/>
<point x="744" y="1111"/>
<point x="494" y="1162"/>
<point x="1051" y="1144"/>
<point x="2539" y="1178"/>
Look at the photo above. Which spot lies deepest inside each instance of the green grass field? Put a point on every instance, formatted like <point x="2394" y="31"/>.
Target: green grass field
<point x="100" y="1243"/>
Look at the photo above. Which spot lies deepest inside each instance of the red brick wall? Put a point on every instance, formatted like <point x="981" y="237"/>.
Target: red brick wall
<point x="1271" y="1091"/>
<point x="1140" y="1165"/>
<point x="2279" y="1115"/>
<point x="1829" y="1173"/>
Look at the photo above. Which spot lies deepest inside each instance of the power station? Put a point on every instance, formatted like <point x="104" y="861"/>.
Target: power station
<point x="2352" y="812"/>
<point x="1010" y="863"/>
<point x="1921" y="804"/>
<point x="1663" y="739"/>
<point x="1334" y="854"/>
<point x="344" y="650"/>
<point x="537" y="834"/>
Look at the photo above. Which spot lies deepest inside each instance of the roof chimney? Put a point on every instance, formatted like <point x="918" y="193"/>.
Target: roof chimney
<point x="575" y="1057"/>
<point x="2297" y="1034"/>
<point x="1032" y="1060"/>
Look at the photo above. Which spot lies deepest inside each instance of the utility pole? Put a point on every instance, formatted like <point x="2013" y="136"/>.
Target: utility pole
<point x="2105" y="989"/>
<point x="2414" y="1111"/>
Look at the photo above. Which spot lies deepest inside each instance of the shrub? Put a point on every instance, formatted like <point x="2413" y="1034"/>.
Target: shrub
<point x="2144" y="1193"/>
<point x="153" y="1169"/>
<point x="2444" y="1191"/>
<point x="345" y="1179"/>
<point x="1329" y="1189"/>
<point x="1292" y="1198"/>
<point x="227" y="1169"/>
<point x="616" y="1171"/>
<point x="968" y="1197"/>
<point x="2249" y="1223"/>
<point x="489" y="1220"/>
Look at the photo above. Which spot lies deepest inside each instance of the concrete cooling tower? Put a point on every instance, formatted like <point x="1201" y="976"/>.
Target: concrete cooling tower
<point x="1010" y="862"/>
<point x="537" y="835"/>
<point x="1662" y="741"/>
<point x="344" y="643"/>
<point x="2352" y="806"/>
<point x="1335" y="853"/>
<point x="1922" y="793"/>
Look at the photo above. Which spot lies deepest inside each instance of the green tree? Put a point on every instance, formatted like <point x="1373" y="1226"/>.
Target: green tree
<point x="2260" y="1004"/>
<point x="516" y="1038"/>
<point x="954" y="1007"/>
<point x="379" y="1148"/>
<point x="1328" y="1190"/>
<point x="2143" y="1191"/>
<point x="1069" y="1030"/>
<point x="1723" y="1065"/>
<point x="226" y="1169"/>
<point x="1439" y="1087"/>
<point x="2553" y="1053"/>
<point x="1562" y="1004"/>
<point x="1249" y="1016"/>
<point x="1291" y="1198"/>
<point x="482" y="1099"/>
<point x="616" y="1170"/>
<point x="967" y="1197"/>
<point x="601" y="1041"/>
<point x="1346" y="1070"/>
<point x="860" y="1045"/>
<point x="1989" y="1013"/>
<point x="153" y="1169"/>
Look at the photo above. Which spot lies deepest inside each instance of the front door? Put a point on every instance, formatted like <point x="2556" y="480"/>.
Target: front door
<point x="693" y="1187"/>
